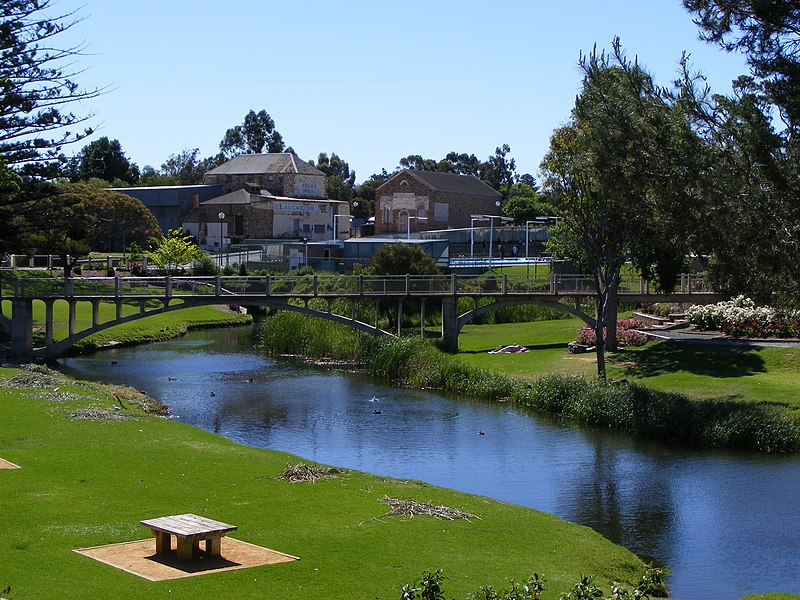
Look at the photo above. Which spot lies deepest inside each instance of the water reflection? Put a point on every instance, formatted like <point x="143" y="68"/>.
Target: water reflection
<point x="724" y="523"/>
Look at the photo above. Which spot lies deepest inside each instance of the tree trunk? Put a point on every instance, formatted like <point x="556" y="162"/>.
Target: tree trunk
<point x="611" y="318"/>
<point x="600" y="310"/>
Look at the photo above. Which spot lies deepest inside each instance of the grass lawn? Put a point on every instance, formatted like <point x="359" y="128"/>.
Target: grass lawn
<point x="87" y="483"/>
<point x="698" y="370"/>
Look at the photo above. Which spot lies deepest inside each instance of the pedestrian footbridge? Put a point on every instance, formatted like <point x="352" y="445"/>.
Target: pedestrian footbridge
<point x="341" y="298"/>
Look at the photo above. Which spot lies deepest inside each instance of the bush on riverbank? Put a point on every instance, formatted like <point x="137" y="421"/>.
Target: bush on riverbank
<point x="629" y="408"/>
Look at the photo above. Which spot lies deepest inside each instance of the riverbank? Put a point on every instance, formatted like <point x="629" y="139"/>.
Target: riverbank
<point x="85" y="445"/>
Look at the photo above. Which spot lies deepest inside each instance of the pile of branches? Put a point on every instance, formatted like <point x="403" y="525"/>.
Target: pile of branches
<point x="411" y="508"/>
<point x="303" y="473"/>
<point x="93" y="413"/>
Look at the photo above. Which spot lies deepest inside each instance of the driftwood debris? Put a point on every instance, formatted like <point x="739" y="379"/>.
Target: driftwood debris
<point x="411" y="508"/>
<point x="303" y="473"/>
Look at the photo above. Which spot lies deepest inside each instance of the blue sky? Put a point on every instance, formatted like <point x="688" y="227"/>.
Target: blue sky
<point x="370" y="81"/>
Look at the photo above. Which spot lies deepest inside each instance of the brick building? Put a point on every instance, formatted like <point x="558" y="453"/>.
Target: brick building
<point x="251" y="213"/>
<point x="432" y="201"/>
<point x="280" y="174"/>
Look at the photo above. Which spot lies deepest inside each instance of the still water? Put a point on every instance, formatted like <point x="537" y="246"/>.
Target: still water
<point x="726" y="524"/>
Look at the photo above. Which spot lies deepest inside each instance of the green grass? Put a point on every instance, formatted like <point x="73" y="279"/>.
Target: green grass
<point x="88" y="483"/>
<point x="754" y="374"/>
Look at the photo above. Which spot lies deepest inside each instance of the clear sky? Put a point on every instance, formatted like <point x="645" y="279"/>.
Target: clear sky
<point x="371" y="81"/>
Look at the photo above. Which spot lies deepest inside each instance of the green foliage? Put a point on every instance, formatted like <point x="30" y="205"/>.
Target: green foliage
<point x="401" y="259"/>
<point x="254" y="136"/>
<point x="174" y="251"/>
<point x="103" y="159"/>
<point x="37" y="82"/>
<point x="204" y="266"/>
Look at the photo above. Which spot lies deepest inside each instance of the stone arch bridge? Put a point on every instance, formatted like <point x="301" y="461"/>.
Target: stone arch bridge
<point x="319" y="295"/>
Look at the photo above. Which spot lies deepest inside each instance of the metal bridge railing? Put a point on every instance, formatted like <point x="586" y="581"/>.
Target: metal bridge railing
<point x="337" y="285"/>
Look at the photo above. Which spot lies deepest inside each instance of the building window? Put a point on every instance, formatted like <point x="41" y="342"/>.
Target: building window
<point x="306" y="228"/>
<point x="319" y="228"/>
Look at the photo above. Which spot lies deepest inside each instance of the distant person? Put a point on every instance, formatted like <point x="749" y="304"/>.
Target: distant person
<point x="502" y="250"/>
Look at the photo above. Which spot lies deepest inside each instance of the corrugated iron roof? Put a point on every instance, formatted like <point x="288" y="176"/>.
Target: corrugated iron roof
<point x="449" y="182"/>
<point x="248" y="164"/>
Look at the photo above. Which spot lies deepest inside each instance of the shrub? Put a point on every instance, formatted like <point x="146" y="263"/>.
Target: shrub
<point x="740" y="317"/>
<point x="627" y="334"/>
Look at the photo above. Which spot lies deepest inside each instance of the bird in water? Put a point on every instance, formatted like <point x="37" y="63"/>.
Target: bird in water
<point x="213" y="394"/>
<point x="376" y="412"/>
<point x="374" y="399"/>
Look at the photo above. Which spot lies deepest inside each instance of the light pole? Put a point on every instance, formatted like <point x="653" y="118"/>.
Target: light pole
<point x="408" y="224"/>
<point x="472" y="219"/>
<point x="335" y="217"/>
<point x="221" y="216"/>
<point x="491" y="219"/>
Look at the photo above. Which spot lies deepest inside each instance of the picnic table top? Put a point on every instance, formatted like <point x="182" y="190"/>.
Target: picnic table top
<point x="188" y="525"/>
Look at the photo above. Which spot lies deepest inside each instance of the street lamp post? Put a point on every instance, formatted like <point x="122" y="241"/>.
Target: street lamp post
<point x="221" y="216"/>
<point x="491" y="219"/>
<point x="408" y="224"/>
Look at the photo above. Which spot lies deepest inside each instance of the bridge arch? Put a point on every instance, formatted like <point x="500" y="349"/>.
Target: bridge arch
<point x="59" y="348"/>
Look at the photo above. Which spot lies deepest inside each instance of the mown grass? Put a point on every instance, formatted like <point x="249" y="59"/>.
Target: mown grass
<point x="702" y="371"/>
<point x="87" y="483"/>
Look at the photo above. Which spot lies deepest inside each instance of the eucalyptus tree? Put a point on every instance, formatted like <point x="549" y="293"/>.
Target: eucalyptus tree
<point x="255" y="135"/>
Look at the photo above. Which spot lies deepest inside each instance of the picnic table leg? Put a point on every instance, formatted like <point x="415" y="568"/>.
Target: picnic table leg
<point x="163" y="542"/>
<point x="186" y="548"/>
<point x="214" y="545"/>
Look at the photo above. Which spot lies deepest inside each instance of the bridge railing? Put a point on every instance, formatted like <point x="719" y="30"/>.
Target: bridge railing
<point x="336" y="285"/>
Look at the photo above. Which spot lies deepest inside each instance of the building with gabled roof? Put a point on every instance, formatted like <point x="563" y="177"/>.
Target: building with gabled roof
<point x="251" y="213"/>
<point x="281" y="174"/>
<point x="431" y="200"/>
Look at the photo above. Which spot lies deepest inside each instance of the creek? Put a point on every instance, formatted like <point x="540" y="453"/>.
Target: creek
<point x="725" y="523"/>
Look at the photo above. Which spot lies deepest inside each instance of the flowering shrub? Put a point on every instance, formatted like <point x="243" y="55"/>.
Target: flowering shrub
<point x="626" y="334"/>
<point x="740" y="317"/>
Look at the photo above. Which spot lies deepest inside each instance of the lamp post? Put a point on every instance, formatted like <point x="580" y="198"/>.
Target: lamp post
<point x="221" y="216"/>
<point x="408" y="224"/>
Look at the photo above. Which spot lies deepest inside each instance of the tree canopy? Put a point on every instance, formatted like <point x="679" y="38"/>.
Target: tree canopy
<point x="256" y="135"/>
<point x="401" y="259"/>
<point x="103" y="159"/>
<point x="174" y="251"/>
<point x="36" y="87"/>
<point x="340" y="180"/>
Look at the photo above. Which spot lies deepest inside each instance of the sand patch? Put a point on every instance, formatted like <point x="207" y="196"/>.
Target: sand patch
<point x="140" y="558"/>
<point x="4" y="464"/>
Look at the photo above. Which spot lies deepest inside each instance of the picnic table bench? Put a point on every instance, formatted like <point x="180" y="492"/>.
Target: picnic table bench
<point x="189" y="530"/>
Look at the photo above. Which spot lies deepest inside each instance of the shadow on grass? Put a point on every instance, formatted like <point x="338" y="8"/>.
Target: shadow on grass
<point x="700" y="359"/>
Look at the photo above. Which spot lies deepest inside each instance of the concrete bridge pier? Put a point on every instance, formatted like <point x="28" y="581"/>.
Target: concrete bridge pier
<point x="22" y="327"/>
<point x="450" y="324"/>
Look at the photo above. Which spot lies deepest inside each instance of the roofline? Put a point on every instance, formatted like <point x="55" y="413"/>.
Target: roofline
<point x="429" y="186"/>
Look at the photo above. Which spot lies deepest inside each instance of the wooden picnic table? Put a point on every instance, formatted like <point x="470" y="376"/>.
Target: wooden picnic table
<point x="189" y="530"/>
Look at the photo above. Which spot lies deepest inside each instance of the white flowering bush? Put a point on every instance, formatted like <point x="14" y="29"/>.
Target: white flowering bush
<point x="742" y="318"/>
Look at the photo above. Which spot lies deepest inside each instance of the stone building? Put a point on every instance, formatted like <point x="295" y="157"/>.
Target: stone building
<point x="251" y="213"/>
<point x="431" y="201"/>
<point x="280" y="174"/>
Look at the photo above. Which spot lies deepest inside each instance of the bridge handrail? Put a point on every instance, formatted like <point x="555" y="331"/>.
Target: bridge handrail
<point x="283" y="286"/>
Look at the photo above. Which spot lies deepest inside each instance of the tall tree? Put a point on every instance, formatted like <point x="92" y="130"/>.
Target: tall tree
<point x="340" y="181"/>
<point x="103" y="159"/>
<point x="254" y="136"/>
<point x="608" y="174"/>
<point x="498" y="171"/>
<point x="185" y="167"/>
<point x="36" y="87"/>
